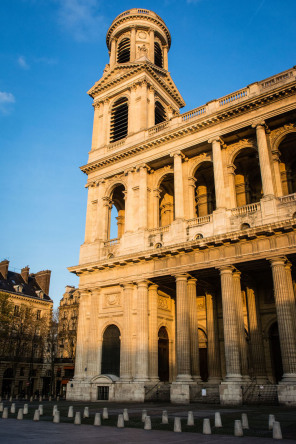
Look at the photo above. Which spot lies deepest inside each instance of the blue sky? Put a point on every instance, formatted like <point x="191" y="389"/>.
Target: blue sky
<point x="52" y="52"/>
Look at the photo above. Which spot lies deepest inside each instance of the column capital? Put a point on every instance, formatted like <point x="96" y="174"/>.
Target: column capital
<point x="236" y="273"/>
<point x="127" y="286"/>
<point x="178" y="154"/>
<point x="280" y="260"/>
<point x="143" y="284"/>
<point x="192" y="281"/>
<point x="259" y="124"/>
<point x="218" y="140"/>
<point x="96" y="291"/>
<point x="153" y="286"/>
<point x="288" y="265"/>
<point x="181" y="276"/>
<point x="143" y="166"/>
<point x="226" y="269"/>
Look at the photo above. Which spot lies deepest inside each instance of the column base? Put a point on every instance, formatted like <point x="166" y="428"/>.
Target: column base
<point x="197" y="379"/>
<point x="184" y="378"/>
<point x="233" y="377"/>
<point x="230" y="393"/>
<point x="180" y="393"/>
<point x="214" y="380"/>
<point x="288" y="378"/>
<point x="287" y="394"/>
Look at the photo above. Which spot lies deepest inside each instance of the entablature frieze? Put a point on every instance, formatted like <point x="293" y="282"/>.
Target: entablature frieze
<point x="203" y="122"/>
<point x="216" y="251"/>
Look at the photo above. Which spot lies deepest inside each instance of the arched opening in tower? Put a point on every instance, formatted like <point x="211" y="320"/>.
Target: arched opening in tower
<point x="248" y="185"/>
<point x="119" y="120"/>
<point x="111" y="351"/>
<point x="288" y="164"/>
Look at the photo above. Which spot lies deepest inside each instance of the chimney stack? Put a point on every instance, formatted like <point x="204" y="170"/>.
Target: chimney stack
<point x="25" y="273"/>
<point x="4" y="268"/>
<point x="43" y="280"/>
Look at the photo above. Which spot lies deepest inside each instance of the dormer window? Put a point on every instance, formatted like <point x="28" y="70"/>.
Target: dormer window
<point x="119" y="120"/>
<point x="123" y="51"/>
<point x="18" y="288"/>
<point x="158" y="55"/>
<point x="40" y="294"/>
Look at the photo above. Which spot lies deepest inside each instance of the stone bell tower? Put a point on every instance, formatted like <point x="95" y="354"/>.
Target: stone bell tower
<point x="136" y="91"/>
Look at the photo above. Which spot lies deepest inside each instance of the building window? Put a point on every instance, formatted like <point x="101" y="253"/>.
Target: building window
<point x="38" y="315"/>
<point x="119" y="120"/>
<point x="16" y="310"/>
<point x="123" y="52"/>
<point x="157" y="55"/>
<point x="159" y="113"/>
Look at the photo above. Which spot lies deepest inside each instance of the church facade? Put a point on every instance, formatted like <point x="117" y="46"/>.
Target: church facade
<point x="194" y="298"/>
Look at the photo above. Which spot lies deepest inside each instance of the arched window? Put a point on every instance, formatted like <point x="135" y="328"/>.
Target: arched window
<point x="288" y="164"/>
<point x="166" y="201"/>
<point x="159" y="113"/>
<point x="205" y="202"/>
<point x="157" y="55"/>
<point x="117" y="213"/>
<point x="111" y="351"/>
<point x="119" y="120"/>
<point x="123" y="51"/>
<point x="248" y="186"/>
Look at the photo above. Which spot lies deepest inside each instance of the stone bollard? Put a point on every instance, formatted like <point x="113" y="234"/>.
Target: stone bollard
<point x="97" y="421"/>
<point x="31" y="398"/>
<point x="120" y="421"/>
<point x="56" y="418"/>
<point x="36" y="415"/>
<point x="144" y="414"/>
<point x="40" y="398"/>
<point x="238" y="429"/>
<point x="206" y="427"/>
<point x="1" y="406"/>
<point x="165" y="418"/>
<point x="147" y="423"/>
<point x="125" y="415"/>
<point x="271" y="420"/>
<point x="55" y="409"/>
<point x="218" y="422"/>
<point x="49" y="399"/>
<point x="58" y="398"/>
<point x="20" y="414"/>
<point x="12" y="408"/>
<point x="177" y="425"/>
<point x="245" y="422"/>
<point x="105" y="413"/>
<point x="190" y="419"/>
<point x="40" y="408"/>
<point x="86" y="412"/>
<point x="26" y="409"/>
<point x="70" y="411"/>
<point x="5" y="413"/>
<point x="276" y="431"/>
<point x="10" y="399"/>
<point x="77" y="419"/>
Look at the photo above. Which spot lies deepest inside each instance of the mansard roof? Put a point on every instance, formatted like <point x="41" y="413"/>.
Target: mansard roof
<point x="28" y="289"/>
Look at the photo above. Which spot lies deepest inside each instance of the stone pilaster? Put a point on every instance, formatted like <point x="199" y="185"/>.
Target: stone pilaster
<point x="240" y="324"/>
<point x="133" y="44"/>
<point x="90" y="211"/>
<point x="153" y="332"/>
<point x="129" y="202"/>
<point x="291" y="293"/>
<point x="256" y="340"/>
<point x="165" y="57"/>
<point x="142" y="354"/>
<point x="151" y="45"/>
<point x="178" y="186"/>
<point x="283" y="301"/>
<point x="218" y="173"/>
<point x="231" y="342"/>
<point x="126" y="348"/>
<point x="143" y="198"/>
<point x="82" y="336"/>
<point x="214" y="364"/>
<point x="102" y="213"/>
<point x="193" y="330"/>
<point x="93" y="364"/>
<point x="264" y="159"/>
<point x="183" y="336"/>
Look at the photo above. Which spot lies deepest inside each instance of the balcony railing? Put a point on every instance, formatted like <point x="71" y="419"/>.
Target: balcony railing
<point x="230" y="98"/>
<point x="111" y="242"/>
<point x="200" y="220"/>
<point x="159" y="230"/>
<point x="246" y="209"/>
<point x="155" y="129"/>
<point x="194" y="113"/>
<point x="288" y="198"/>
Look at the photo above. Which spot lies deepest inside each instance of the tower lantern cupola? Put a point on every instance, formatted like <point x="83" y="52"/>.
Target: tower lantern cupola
<point x="138" y="35"/>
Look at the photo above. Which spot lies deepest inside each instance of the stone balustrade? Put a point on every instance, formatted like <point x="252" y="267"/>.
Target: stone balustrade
<point x="200" y="220"/>
<point x="246" y="209"/>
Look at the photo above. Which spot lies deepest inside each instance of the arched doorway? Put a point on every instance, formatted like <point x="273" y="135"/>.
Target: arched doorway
<point x="111" y="351"/>
<point x="275" y="352"/>
<point x="7" y="381"/>
<point x="203" y="355"/>
<point x="163" y="355"/>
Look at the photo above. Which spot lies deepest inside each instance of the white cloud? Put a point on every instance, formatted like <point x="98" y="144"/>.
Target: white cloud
<point x="6" y="100"/>
<point x="22" y="62"/>
<point x="81" y="18"/>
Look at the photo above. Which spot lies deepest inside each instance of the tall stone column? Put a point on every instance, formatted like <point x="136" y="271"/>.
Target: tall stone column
<point x="113" y="53"/>
<point x="231" y="180"/>
<point x="143" y="198"/>
<point x="218" y="173"/>
<point x="240" y="324"/>
<point x="90" y="213"/>
<point x="142" y="333"/>
<point x="183" y="336"/>
<point x="133" y="44"/>
<point x="129" y="202"/>
<point x="151" y="45"/>
<point x="231" y="342"/>
<point x="133" y="120"/>
<point x="100" y="223"/>
<point x="93" y="364"/>
<point x="277" y="173"/>
<point x="193" y="329"/>
<point x="97" y="125"/>
<point x="165" y="57"/>
<point x="151" y="106"/>
<point x="104" y="137"/>
<point x="256" y="340"/>
<point x="82" y="336"/>
<point x="144" y="106"/>
<point x="191" y="198"/>
<point x="214" y="363"/>
<point x="178" y="186"/>
<point x="291" y="292"/>
<point x="283" y="302"/>
<point x="126" y="348"/>
<point x="104" y="223"/>
<point x="264" y="160"/>
<point x="153" y="332"/>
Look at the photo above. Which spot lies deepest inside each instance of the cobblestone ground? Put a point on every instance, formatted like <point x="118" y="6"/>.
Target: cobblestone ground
<point x="15" y="431"/>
